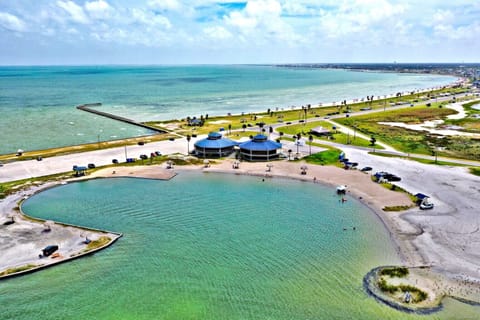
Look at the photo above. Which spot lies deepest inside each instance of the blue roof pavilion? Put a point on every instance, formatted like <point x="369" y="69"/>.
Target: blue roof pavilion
<point x="259" y="148"/>
<point x="214" y="146"/>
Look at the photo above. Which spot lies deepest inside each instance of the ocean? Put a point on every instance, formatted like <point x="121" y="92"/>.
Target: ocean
<point x="38" y="103"/>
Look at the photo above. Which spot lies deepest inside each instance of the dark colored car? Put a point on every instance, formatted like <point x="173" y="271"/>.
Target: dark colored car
<point x="158" y="153"/>
<point x="143" y="156"/>
<point x="364" y="169"/>
<point x="393" y="178"/>
<point x="114" y="161"/>
<point x="141" y="143"/>
<point x="91" y="166"/>
<point x="48" y="250"/>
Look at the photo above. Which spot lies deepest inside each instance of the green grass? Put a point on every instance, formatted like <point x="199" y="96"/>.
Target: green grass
<point x="410" y="141"/>
<point x="7" y="188"/>
<point x="95" y="244"/>
<point x="396" y="208"/>
<point x="327" y="157"/>
<point x="420" y="160"/>
<point x="336" y="136"/>
<point x="475" y="171"/>
<point x="17" y="269"/>
<point x="29" y="155"/>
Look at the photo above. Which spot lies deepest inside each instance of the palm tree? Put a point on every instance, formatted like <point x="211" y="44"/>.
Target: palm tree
<point x="244" y="126"/>
<point x="229" y="128"/>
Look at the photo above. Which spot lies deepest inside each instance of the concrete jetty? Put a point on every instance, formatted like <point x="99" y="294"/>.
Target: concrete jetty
<point x="88" y="107"/>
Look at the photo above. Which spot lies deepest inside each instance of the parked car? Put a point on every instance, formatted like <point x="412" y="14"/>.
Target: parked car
<point x="114" y="161"/>
<point x="394" y="178"/>
<point x="365" y="169"/>
<point x="141" y="143"/>
<point x="158" y="153"/>
<point x="387" y="176"/>
<point x="48" y="250"/>
<point x="91" y="166"/>
<point x="143" y="156"/>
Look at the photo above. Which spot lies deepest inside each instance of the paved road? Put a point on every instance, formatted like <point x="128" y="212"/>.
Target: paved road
<point x="33" y="168"/>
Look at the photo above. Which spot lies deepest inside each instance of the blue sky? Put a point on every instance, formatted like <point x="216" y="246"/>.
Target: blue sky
<point x="257" y="31"/>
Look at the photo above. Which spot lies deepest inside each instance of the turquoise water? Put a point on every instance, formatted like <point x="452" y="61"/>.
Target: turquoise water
<point x="38" y="103"/>
<point x="210" y="247"/>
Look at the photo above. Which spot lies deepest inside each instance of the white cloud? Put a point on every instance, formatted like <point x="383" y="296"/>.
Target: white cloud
<point x="261" y="21"/>
<point x="98" y="9"/>
<point x="148" y="18"/>
<point x="217" y="33"/>
<point x="75" y="11"/>
<point x="173" y="5"/>
<point x="300" y="29"/>
<point x="11" y="22"/>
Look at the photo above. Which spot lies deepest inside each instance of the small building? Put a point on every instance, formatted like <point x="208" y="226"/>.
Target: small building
<point x="214" y="146"/>
<point x="320" y="131"/>
<point x="259" y="148"/>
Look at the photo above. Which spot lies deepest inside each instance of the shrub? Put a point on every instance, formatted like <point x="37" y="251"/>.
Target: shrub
<point x="398" y="272"/>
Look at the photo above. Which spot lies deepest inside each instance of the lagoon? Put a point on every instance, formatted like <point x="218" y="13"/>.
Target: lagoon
<point x="210" y="246"/>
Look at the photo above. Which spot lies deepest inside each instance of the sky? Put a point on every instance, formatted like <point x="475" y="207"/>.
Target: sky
<point x="56" y="32"/>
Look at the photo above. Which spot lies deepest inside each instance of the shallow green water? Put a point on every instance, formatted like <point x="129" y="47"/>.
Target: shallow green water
<point x="210" y="247"/>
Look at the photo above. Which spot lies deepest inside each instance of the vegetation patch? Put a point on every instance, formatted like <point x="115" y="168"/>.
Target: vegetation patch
<point x="420" y="160"/>
<point x="396" y="208"/>
<point x="475" y="171"/>
<point x="411" y="141"/>
<point x="399" y="272"/>
<point x="327" y="157"/>
<point x="95" y="244"/>
<point x="17" y="269"/>
<point x="417" y="294"/>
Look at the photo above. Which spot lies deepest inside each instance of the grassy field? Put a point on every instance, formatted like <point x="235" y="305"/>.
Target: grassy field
<point x="282" y="115"/>
<point x="336" y="136"/>
<point x="469" y="124"/>
<point x="410" y="141"/>
<point x="421" y="160"/>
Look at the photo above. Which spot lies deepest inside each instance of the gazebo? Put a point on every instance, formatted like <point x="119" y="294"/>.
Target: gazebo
<point x="79" y="170"/>
<point x="259" y="148"/>
<point x="320" y="131"/>
<point x="214" y="146"/>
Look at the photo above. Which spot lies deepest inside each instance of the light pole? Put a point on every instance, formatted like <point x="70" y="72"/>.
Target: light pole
<point x="188" y="144"/>
<point x="310" y="139"/>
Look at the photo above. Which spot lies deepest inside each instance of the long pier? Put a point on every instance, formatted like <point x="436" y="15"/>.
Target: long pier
<point x="88" y="108"/>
